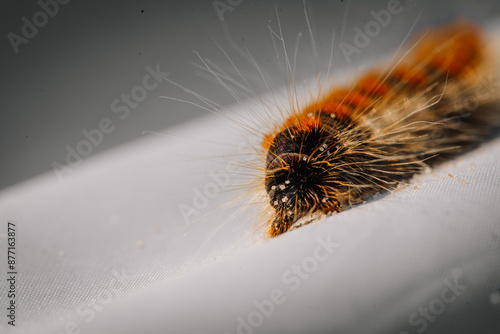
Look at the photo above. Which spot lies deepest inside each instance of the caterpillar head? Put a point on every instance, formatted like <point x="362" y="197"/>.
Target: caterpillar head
<point x="299" y="176"/>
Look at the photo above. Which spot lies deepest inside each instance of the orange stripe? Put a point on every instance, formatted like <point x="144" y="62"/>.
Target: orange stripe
<point x="372" y="84"/>
<point x="410" y="76"/>
<point x="356" y="99"/>
<point x="338" y="109"/>
<point x="452" y="49"/>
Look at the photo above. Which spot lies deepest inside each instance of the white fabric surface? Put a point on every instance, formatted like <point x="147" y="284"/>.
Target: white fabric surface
<point x="107" y="250"/>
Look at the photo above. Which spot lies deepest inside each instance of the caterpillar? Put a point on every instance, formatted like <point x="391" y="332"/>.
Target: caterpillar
<point x="357" y="140"/>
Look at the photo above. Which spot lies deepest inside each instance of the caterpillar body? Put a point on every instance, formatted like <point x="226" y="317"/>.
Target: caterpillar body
<point x="354" y="141"/>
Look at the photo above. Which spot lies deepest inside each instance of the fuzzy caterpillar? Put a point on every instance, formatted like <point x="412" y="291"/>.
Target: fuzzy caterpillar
<point x="355" y="141"/>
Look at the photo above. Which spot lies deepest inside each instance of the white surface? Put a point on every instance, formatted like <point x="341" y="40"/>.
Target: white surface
<point x="113" y="229"/>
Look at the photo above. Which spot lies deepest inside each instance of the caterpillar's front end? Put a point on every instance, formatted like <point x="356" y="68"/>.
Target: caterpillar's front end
<point x="390" y="124"/>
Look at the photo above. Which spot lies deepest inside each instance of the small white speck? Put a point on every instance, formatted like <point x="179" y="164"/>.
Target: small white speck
<point x="275" y="203"/>
<point x="321" y="149"/>
<point x="332" y="115"/>
<point x="287" y="182"/>
<point x="290" y="213"/>
<point x="304" y="158"/>
<point x="324" y="199"/>
<point x="328" y="152"/>
<point x="282" y="186"/>
<point x="273" y="187"/>
<point x="284" y="199"/>
<point x="325" y="145"/>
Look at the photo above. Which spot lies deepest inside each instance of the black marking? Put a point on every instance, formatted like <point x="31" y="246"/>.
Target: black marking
<point x="298" y="169"/>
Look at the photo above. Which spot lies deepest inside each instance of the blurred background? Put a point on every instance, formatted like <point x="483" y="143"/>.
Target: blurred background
<point x="68" y="65"/>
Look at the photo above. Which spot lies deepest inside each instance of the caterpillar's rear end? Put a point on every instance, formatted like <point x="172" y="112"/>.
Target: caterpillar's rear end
<point x="355" y="141"/>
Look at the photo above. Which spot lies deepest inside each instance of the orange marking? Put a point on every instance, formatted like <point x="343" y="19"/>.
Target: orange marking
<point x="450" y="49"/>
<point x="412" y="77"/>
<point x="336" y="108"/>
<point x="372" y="84"/>
<point x="306" y="123"/>
<point x="267" y="141"/>
<point x="356" y="99"/>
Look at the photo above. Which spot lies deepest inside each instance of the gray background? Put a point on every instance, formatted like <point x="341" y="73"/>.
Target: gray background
<point x="64" y="79"/>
